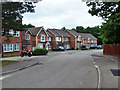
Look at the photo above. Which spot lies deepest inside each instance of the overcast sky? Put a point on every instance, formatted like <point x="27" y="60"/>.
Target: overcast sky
<point x="61" y="13"/>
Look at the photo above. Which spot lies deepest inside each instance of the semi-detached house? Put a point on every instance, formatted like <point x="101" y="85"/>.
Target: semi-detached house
<point x="36" y="38"/>
<point x="59" y="38"/>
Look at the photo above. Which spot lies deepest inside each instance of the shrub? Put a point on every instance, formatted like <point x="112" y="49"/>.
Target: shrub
<point x="40" y="51"/>
<point x="83" y="46"/>
<point x="77" y="48"/>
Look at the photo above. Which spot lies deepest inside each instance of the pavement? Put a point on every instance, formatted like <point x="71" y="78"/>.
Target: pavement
<point x="26" y="62"/>
<point x="69" y="69"/>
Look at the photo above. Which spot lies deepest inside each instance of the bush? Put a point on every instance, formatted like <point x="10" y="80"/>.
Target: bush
<point x="84" y="48"/>
<point x="77" y="48"/>
<point x="40" y="51"/>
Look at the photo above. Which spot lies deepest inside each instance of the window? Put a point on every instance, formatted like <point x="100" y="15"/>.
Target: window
<point x="59" y="38"/>
<point x="66" y="39"/>
<point x="7" y="47"/>
<point x="42" y="38"/>
<point x="40" y="45"/>
<point x="88" y="40"/>
<point x="49" y="38"/>
<point x="16" y="47"/>
<point x="92" y="41"/>
<point x="16" y="34"/>
<point x="27" y="37"/>
<point x="11" y="32"/>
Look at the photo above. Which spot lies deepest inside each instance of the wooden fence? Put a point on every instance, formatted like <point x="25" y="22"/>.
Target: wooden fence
<point x="111" y="49"/>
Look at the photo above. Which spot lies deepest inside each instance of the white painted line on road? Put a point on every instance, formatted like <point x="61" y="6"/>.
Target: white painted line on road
<point x="1" y="78"/>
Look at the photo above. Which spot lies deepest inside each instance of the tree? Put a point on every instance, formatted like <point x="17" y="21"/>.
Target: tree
<point x="103" y="9"/>
<point x="28" y="26"/>
<point x="63" y="28"/>
<point x="13" y="10"/>
<point x="110" y="12"/>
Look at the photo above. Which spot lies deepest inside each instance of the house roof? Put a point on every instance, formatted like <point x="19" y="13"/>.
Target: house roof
<point x="25" y="42"/>
<point x="87" y="35"/>
<point x="74" y="32"/>
<point x="49" y="34"/>
<point x="59" y="33"/>
<point x="34" y="31"/>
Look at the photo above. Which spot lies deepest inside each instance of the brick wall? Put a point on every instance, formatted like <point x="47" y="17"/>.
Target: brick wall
<point x="73" y="40"/>
<point x="111" y="49"/>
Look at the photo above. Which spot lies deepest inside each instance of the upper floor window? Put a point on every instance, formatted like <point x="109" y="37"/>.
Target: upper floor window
<point x="16" y="47"/>
<point x="58" y="38"/>
<point x="42" y="38"/>
<point x="66" y="39"/>
<point x="49" y="38"/>
<point x="7" y="47"/>
<point x="27" y="37"/>
<point x="16" y="33"/>
<point x="11" y="32"/>
<point x="91" y="40"/>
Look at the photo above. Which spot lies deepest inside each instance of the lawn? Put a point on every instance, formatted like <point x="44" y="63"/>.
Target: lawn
<point x="7" y="62"/>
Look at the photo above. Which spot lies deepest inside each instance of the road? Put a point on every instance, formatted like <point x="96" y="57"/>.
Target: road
<point x="71" y="69"/>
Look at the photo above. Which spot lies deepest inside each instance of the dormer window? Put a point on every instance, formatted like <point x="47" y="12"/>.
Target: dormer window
<point x="42" y="38"/>
<point x="16" y="34"/>
<point x="27" y="37"/>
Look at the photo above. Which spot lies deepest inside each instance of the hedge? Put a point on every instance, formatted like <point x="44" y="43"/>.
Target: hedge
<point x="40" y="51"/>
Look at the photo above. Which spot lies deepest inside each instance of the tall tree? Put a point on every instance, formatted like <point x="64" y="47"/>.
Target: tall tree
<point x="110" y="12"/>
<point x="11" y="11"/>
<point x="28" y="26"/>
<point x="63" y="28"/>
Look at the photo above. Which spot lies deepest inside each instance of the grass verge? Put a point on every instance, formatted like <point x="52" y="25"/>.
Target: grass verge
<point x="7" y="62"/>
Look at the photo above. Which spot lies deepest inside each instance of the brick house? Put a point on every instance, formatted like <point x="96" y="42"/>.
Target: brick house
<point x="11" y="45"/>
<point x="75" y="39"/>
<point x="36" y="38"/>
<point x="88" y="40"/>
<point x="59" y="38"/>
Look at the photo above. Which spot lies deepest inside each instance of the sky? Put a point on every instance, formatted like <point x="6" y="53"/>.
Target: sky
<point x="61" y="13"/>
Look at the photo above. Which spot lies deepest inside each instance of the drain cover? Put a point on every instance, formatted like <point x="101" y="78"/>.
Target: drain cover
<point x="115" y="72"/>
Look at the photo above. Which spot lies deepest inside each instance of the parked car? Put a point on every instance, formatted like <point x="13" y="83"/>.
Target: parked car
<point x="26" y="53"/>
<point x="59" y="48"/>
<point x="99" y="47"/>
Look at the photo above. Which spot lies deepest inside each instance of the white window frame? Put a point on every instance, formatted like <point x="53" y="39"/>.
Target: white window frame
<point x="40" y="45"/>
<point x="92" y="40"/>
<point x="42" y="38"/>
<point x="7" y="47"/>
<point x="27" y="36"/>
<point x="16" y="47"/>
<point x="16" y="33"/>
<point x="11" y="31"/>
<point x="66" y="39"/>
<point x="58" y="39"/>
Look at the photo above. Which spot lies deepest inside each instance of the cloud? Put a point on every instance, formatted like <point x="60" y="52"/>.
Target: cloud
<point x="61" y="13"/>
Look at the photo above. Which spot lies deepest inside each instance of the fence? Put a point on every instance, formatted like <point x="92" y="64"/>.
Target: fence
<point x="111" y="49"/>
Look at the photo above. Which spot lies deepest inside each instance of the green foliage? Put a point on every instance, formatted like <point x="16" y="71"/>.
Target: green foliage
<point x="110" y="12"/>
<point x="84" y="48"/>
<point x="12" y="10"/>
<point x="40" y="51"/>
<point x="95" y="31"/>
<point x="111" y="30"/>
<point x="77" y="48"/>
<point x="28" y="26"/>
<point x="63" y="28"/>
